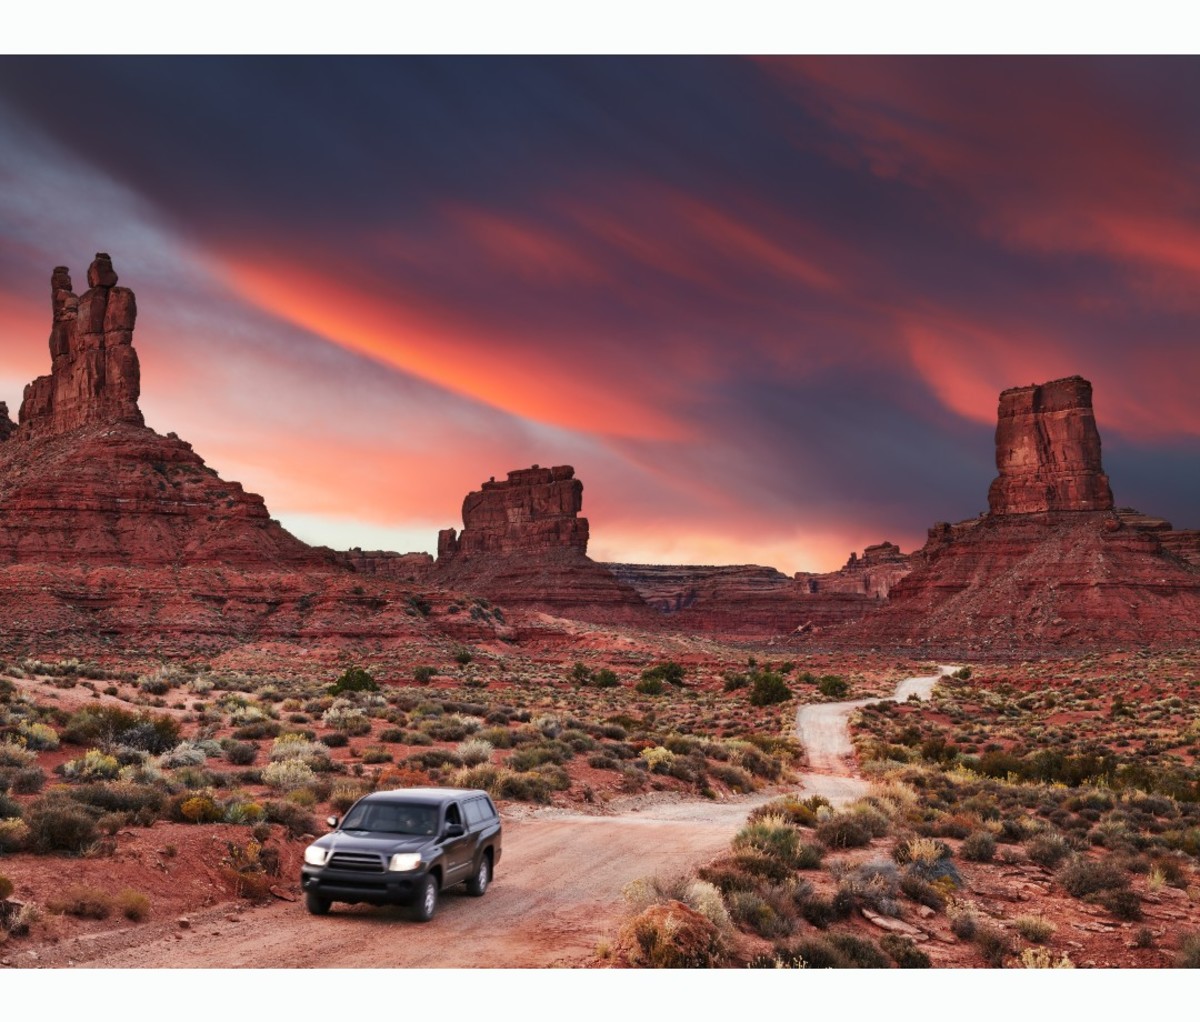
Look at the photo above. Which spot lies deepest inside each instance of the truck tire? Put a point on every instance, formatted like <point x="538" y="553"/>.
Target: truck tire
<point x="316" y="905"/>
<point x="478" y="884"/>
<point x="427" y="895"/>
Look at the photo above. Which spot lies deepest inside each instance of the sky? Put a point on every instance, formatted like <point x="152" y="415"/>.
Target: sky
<point x="764" y="306"/>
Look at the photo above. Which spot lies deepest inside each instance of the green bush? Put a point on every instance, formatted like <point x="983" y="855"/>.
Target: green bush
<point x="669" y="672"/>
<point x="844" y="830"/>
<point x="108" y="726"/>
<point x="604" y="678"/>
<point x="424" y="675"/>
<point x="59" y="826"/>
<point x="834" y="687"/>
<point x="353" y="679"/>
<point x="979" y="846"/>
<point x="904" y="952"/>
<point x="1082" y="877"/>
<point x="769" y="688"/>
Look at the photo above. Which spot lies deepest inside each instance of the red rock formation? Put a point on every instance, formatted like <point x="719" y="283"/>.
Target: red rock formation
<point x="84" y="482"/>
<point x="1052" y="566"/>
<point x="744" y="600"/>
<point x="1048" y="451"/>
<point x="94" y="374"/>
<point x="523" y="545"/>
<point x="535" y="510"/>
<point x="7" y="426"/>
<point x="880" y="567"/>
<point x="388" y="563"/>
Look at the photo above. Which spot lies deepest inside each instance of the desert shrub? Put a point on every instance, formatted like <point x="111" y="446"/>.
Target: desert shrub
<point x="669" y="672"/>
<point x="1123" y="903"/>
<point x="296" y="819"/>
<point x="133" y="905"/>
<point x="672" y="936"/>
<point x="844" y="830"/>
<point x="920" y="890"/>
<point x="108" y="726"/>
<point x="14" y="835"/>
<point x="751" y="910"/>
<point x="650" y="686"/>
<point x="535" y="755"/>
<point x="964" y="923"/>
<point x="527" y="786"/>
<point x="1082" y="877"/>
<point x="353" y="679"/>
<point x="994" y="944"/>
<point x="450" y="728"/>
<point x="979" y="846"/>
<point x="241" y="753"/>
<point x="344" y="716"/>
<point x="1042" y="958"/>
<point x="199" y="809"/>
<point x="288" y="774"/>
<point x="773" y="836"/>
<point x="706" y="899"/>
<point x="475" y="751"/>
<point x="82" y="901"/>
<point x="875" y="885"/>
<point x="859" y="952"/>
<point x="833" y="687"/>
<point x="6" y="888"/>
<point x="733" y="777"/>
<point x="258" y="729"/>
<point x="1047" y="850"/>
<point x="424" y="675"/>
<point x="315" y="755"/>
<point x="768" y="688"/>
<point x="120" y="797"/>
<point x="14" y="755"/>
<point x="809" y="856"/>
<point x="604" y="678"/>
<point x="39" y="736"/>
<point x="184" y="754"/>
<point x="1035" y="929"/>
<point x="904" y="952"/>
<point x="93" y="765"/>
<point x="1188" y="956"/>
<point x="10" y="808"/>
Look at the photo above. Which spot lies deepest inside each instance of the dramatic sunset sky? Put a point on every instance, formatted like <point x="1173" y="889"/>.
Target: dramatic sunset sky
<point x="764" y="307"/>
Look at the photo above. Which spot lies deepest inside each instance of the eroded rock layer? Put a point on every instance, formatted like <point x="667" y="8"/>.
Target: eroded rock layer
<point x="1048" y="451"/>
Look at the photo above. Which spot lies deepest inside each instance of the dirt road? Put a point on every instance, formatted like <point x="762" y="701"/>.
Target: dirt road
<point x="557" y="894"/>
<point x="824" y="732"/>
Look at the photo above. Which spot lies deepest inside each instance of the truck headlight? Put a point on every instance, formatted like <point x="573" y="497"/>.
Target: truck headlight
<point x="315" y="855"/>
<point x="405" y="862"/>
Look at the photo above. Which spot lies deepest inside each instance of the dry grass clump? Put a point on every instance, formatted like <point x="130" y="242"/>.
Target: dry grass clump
<point x="672" y="936"/>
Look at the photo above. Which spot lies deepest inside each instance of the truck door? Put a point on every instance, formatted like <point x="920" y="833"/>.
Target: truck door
<point x="457" y="857"/>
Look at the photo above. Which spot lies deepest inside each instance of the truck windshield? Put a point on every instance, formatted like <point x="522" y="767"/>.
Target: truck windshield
<point x="392" y="818"/>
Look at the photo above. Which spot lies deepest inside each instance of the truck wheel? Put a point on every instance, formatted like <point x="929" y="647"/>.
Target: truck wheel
<point x="427" y="895"/>
<point x="316" y="905"/>
<point x="478" y="884"/>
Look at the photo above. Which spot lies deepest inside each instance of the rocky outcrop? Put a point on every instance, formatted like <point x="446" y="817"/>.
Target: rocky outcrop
<point x="743" y="600"/>
<point x="7" y="426"/>
<point x="84" y="482"/>
<point x="1052" y="566"/>
<point x="533" y="511"/>
<point x="1048" y="451"/>
<point x="94" y="372"/>
<point x="873" y="574"/>
<point x="388" y="563"/>
<point x="524" y="545"/>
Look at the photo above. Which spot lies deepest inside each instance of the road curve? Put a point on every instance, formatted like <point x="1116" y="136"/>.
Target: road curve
<point x="823" y="730"/>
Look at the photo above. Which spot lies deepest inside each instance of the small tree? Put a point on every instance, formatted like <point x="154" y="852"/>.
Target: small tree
<point x="768" y="688"/>
<point x="833" y="686"/>
<point x="353" y="679"/>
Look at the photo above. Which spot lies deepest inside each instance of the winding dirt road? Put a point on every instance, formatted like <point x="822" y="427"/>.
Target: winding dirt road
<point x="556" y="895"/>
<point x="823" y="730"/>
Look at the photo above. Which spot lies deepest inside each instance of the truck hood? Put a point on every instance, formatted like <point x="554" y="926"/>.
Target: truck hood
<point x="365" y="841"/>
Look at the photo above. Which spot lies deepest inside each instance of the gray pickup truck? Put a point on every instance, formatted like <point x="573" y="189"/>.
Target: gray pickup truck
<point x="404" y="847"/>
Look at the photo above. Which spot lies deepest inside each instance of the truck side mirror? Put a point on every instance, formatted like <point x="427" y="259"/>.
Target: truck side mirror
<point x="455" y="830"/>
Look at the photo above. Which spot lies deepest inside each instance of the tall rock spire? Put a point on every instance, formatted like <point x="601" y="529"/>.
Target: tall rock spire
<point x="95" y="376"/>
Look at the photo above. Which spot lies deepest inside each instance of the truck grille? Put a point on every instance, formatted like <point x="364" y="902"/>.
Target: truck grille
<point x="357" y="862"/>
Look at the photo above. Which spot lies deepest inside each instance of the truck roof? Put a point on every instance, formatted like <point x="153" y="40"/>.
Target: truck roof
<point x="424" y="794"/>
